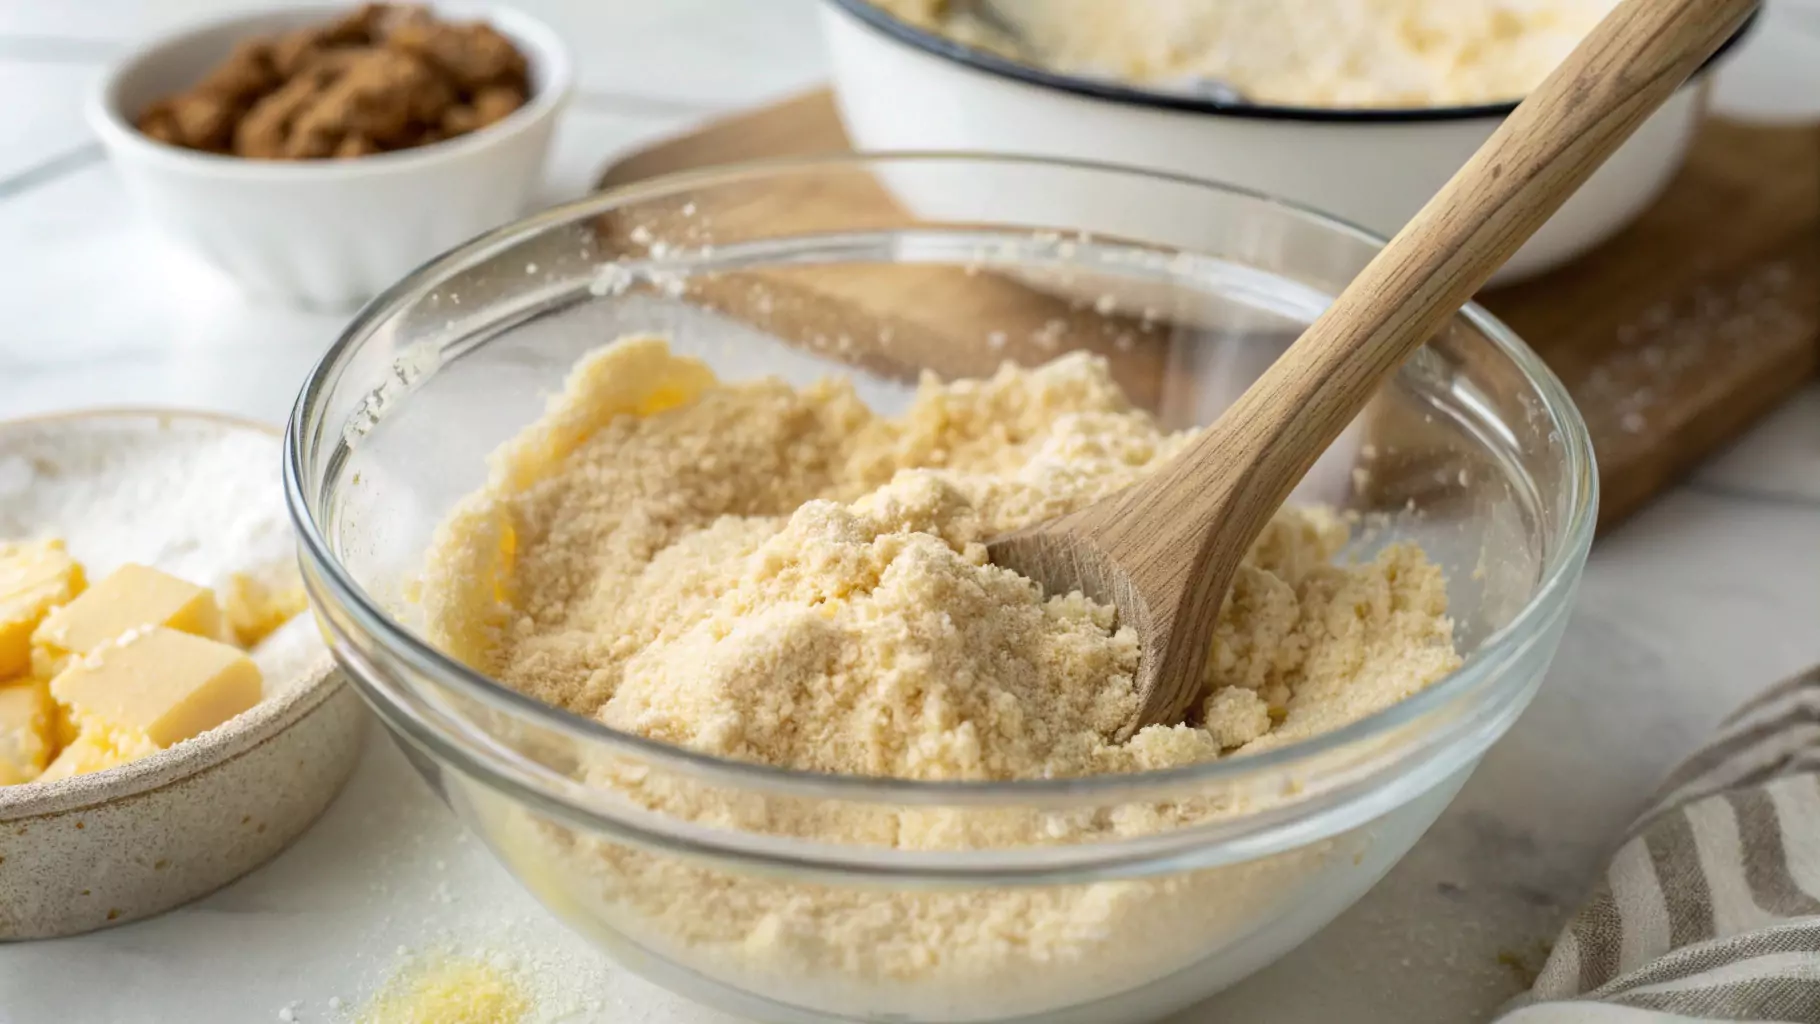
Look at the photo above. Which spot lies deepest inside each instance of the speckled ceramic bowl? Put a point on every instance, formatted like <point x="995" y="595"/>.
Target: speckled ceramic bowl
<point x="133" y="841"/>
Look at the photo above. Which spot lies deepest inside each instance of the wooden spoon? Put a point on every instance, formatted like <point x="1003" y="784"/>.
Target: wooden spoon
<point x="1163" y="552"/>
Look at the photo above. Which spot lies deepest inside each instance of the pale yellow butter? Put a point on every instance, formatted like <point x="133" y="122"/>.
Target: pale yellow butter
<point x="34" y="579"/>
<point x="158" y="684"/>
<point x="96" y="747"/>
<point x="255" y="608"/>
<point x="27" y="730"/>
<point x="132" y="597"/>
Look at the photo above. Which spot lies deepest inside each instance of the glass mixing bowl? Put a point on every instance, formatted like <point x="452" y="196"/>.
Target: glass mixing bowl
<point x="883" y="267"/>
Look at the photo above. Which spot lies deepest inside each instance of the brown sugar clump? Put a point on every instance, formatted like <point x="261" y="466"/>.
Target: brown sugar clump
<point x="382" y="95"/>
<point x="471" y="55"/>
<point x="360" y="28"/>
<point x="205" y="117"/>
<point x="248" y="74"/>
<point x="383" y="77"/>
<point x="265" y="129"/>
<point x="490" y="105"/>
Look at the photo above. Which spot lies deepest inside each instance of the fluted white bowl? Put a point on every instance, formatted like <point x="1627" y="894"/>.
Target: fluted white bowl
<point x="324" y="233"/>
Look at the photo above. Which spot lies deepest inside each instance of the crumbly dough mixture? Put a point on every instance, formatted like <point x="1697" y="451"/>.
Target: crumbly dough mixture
<point x="781" y="576"/>
<point x="1327" y="53"/>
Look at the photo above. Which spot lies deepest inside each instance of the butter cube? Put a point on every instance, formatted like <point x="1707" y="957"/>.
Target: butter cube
<point x="63" y="727"/>
<point x="160" y="684"/>
<point x="27" y="732"/>
<point x="96" y="748"/>
<point x="34" y="579"/>
<point x="132" y="597"/>
<point x="255" y="608"/>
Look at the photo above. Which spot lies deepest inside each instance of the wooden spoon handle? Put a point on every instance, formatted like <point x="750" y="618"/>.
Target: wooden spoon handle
<point x="1546" y="148"/>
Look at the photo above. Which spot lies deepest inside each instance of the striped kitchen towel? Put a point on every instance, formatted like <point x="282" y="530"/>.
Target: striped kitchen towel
<point x="1711" y="908"/>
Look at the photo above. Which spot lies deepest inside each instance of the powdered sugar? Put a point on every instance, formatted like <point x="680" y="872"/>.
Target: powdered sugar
<point x="197" y="497"/>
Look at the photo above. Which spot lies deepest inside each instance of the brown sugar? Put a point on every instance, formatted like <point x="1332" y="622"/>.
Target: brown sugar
<point x="384" y="77"/>
<point x="472" y="56"/>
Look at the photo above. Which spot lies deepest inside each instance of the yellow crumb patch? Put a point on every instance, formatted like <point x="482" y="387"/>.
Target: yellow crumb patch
<point x="255" y="608"/>
<point x="637" y="376"/>
<point x="98" y="747"/>
<point x="449" y="990"/>
<point x="35" y="578"/>
<point x="28" y="730"/>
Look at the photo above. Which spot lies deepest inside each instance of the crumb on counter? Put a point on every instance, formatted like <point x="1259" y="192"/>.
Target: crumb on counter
<point x="449" y="990"/>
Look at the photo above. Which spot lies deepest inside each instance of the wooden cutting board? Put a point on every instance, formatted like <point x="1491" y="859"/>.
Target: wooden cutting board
<point x="1673" y="337"/>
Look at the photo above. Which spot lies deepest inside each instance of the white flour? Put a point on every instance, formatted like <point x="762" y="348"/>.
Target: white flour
<point x="1320" y="53"/>
<point x="198" y="498"/>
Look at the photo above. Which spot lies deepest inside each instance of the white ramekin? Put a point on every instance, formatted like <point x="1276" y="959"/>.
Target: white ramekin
<point x="324" y="233"/>
<point x="899" y="88"/>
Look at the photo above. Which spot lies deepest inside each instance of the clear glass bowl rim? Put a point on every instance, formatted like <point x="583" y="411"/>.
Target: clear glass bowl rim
<point x="1567" y="546"/>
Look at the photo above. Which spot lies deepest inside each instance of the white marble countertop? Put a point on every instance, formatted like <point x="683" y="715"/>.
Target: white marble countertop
<point x="1711" y="594"/>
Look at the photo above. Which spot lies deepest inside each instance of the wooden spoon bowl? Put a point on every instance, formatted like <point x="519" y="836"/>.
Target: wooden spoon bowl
<point x="1164" y="551"/>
